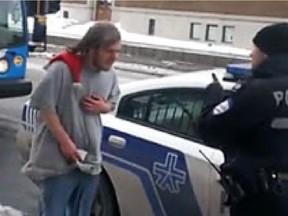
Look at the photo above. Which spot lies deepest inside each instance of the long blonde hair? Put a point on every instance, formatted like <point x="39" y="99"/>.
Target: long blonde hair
<point x="102" y="34"/>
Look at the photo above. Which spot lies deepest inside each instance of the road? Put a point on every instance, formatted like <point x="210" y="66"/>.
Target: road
<point x="12" y="107"/>
<point x="15" y="189"/>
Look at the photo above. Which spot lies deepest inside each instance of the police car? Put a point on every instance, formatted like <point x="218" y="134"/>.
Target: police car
<point x="151" y="149"/>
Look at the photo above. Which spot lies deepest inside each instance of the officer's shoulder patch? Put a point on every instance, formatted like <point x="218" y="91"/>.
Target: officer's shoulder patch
<point x="222" y="107"/>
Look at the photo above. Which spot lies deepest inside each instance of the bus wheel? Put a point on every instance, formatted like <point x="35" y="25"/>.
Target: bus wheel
<point x="106" y="203"/>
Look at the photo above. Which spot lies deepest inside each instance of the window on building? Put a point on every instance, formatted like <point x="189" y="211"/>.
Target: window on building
<point x="211" y="32"/>
<point x="228" y="34"/>
<point x="65" y="14"/>
<point x="151" y="29"/>
<point x="195" y="31"/>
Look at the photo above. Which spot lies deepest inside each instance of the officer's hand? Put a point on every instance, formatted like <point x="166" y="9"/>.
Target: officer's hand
<point x="215" y="83"/>
<point x="214" y="92"/>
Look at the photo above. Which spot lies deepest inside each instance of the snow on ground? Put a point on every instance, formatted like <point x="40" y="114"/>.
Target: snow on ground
<point x="58" y="26"/>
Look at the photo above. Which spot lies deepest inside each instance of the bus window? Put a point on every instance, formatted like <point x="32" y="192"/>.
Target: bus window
<point x="11" y="24"/>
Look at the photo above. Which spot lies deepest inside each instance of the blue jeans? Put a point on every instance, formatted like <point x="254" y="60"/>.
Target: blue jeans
<point x="71" y="194"/>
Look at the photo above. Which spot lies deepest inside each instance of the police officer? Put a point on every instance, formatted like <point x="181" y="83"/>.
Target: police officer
<point x="251" y="127"/>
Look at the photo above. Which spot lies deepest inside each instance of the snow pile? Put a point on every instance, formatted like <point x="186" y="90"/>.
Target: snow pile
<point x="55" y="23"/>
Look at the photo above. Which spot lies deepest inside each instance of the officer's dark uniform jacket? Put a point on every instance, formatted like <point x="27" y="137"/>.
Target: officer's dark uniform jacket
<point x="251" y="126"/>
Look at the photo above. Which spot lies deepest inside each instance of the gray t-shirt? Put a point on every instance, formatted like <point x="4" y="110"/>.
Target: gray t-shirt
<point x="58" y="93"/>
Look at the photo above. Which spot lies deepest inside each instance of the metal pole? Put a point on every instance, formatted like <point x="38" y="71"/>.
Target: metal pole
<point x="46" y="9"/>
<point x="38" y="7"/>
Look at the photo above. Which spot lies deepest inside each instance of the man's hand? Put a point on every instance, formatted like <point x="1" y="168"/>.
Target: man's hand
<point x="66" y="145"/>
<point x="95" y="104"/>
<point x="70" y="152"/>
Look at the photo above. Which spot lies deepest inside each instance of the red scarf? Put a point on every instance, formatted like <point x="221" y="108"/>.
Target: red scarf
<point x="73" y="61"/>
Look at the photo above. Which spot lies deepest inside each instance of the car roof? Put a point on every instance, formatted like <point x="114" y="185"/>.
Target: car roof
<point x="198" y="79"/>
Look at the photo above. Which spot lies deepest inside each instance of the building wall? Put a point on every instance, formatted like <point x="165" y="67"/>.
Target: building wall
<point x="86" y="10"/>
<point x="248" y="8"/>
<point x="173" y="18"/>
<point x="81" y="10"/>
<point x="175" y="24"/>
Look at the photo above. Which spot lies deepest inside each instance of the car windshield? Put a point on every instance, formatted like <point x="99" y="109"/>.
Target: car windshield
<point x="11" y="24"/>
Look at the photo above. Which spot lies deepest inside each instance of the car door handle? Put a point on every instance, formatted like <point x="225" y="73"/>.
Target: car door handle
<point x="117" y="141"/>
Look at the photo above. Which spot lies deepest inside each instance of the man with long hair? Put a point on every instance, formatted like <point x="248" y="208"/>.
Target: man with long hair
<point x="80" y="84"/>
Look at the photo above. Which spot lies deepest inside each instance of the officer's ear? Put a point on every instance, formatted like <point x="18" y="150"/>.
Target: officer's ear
<point x="257" y="57"/>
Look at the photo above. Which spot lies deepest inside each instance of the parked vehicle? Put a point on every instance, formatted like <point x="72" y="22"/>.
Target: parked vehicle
<point x="152" y="164"/>
<point x="13" y="49"/>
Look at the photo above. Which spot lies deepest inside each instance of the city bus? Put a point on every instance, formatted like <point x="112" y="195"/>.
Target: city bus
<point x="13" y="49"/>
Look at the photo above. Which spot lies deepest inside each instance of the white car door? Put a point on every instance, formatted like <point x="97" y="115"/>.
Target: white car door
<point x="153" y="137"/>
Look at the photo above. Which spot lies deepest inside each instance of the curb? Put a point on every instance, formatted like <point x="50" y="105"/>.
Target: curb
<point x="132" y="67"/>
<point x="132" y="64"/>
<point x="162" y="53"/>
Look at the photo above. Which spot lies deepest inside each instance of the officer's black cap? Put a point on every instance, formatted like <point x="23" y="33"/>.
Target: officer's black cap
<point x="273" y="39"/>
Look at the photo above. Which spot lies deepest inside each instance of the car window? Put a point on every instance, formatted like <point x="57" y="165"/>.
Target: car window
<point x="172" y="110"/>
